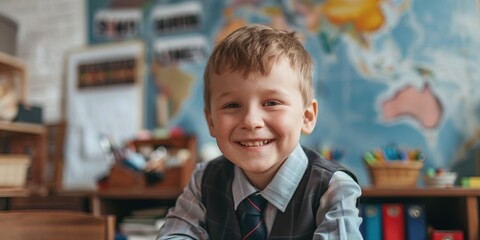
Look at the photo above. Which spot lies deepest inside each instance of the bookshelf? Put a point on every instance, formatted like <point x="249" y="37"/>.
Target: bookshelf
<point x="446" y="208"/>
<point x="14" y="68"/>
<point x="17" y="137"/>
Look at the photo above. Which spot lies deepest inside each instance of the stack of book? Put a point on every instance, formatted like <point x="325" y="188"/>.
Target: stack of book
<point x="143" y="224"/>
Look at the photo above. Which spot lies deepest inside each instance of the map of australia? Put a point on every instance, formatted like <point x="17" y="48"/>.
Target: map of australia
<point x="419" y="104"/>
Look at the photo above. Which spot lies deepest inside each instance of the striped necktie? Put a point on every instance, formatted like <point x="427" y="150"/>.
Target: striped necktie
<point x="251" y="223"/>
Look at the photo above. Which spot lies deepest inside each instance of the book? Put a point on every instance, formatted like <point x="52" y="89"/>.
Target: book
<point x="158" y="212"/>
<point x="393" y="221"/>
<point x="361" y="210"/>
<point x="444" y="234"/>
<point x="372" y="221"/>
<point x="132" y="219"/>
<point x="143" y="222"/>
<point x="415" y="221"/>
<point x="471" y="182"/>
<point x="141" y="237"/>
<point x="139" y="230"/>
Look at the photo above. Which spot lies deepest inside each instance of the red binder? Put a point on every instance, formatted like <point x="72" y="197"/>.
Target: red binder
<point x="450" y="235"/>
<point x="393" y="221"/>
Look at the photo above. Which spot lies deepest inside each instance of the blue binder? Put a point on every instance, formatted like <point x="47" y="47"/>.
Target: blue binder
<point x="416" y="223"/>
<point x="372" y="221"/>
<point x="361" y="208"/>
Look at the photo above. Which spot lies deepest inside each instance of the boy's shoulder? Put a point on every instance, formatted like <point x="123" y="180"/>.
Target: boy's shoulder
<point x="316" y="160"/>
<point x="220" y="160"/>
<point x="219" y="165"/>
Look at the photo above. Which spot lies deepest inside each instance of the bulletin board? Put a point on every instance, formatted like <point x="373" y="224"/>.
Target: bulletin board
<point x="104" y="99"/>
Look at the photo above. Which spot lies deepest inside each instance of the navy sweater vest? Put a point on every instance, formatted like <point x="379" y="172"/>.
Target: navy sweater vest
<point x="298" y="220"/>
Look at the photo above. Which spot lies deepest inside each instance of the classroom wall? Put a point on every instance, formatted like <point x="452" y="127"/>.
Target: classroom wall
<point x="47" y="30"/>
<point x="422" y="52"/>
<point x="400" y="73"/>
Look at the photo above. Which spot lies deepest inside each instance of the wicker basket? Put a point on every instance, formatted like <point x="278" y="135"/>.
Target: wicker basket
<point x="13" y="170"/>
<point x="401" y="173"/>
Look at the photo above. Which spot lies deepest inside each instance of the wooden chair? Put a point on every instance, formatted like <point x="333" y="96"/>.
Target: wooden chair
<point x="55" y="225"/>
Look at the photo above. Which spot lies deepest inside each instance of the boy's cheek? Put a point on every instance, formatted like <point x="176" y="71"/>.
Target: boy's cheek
<point x="208" y="118"/>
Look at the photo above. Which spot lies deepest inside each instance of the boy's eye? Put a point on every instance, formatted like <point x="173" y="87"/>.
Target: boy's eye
<point x="232" y="105"/>
<point x="271" y="103"/>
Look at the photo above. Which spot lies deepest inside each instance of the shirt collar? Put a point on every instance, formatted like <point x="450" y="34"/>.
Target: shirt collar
<point x="283" y="185"/>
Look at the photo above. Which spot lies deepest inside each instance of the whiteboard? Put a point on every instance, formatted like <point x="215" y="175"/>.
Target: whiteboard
<point x="115" y="111"/>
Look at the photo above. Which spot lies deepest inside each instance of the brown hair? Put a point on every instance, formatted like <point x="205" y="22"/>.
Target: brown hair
<point x="253" y="49"/>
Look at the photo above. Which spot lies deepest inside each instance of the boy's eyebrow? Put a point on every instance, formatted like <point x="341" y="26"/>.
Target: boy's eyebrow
<point x="281" y="91"/>
<point x="224" y="94"/>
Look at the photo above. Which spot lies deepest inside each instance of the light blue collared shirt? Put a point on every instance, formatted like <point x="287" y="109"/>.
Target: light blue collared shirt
<point x="336" y="218"/>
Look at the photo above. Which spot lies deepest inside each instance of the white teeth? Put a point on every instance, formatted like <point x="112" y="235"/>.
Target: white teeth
<point x="255" y="143"/>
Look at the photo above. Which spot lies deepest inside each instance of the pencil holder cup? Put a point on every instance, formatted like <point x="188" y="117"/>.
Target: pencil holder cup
<point x="445" y="180"/>
<point x="394" y="173"/>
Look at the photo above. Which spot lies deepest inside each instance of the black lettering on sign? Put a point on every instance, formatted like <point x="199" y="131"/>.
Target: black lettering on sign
<point x="118" y="24"/>
<point x="174" y="18"/>
<point x="180" y="50"/>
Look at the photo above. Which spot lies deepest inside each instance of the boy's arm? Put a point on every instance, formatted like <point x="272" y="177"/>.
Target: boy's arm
<point x="338" y="215"/>
<point x="187" y="219"/>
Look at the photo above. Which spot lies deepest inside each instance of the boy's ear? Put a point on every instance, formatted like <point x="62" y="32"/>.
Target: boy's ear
<point x="208" y="117"/>
<point x="310" y="117"/>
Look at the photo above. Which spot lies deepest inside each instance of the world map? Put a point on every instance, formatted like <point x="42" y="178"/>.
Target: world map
<point x="400" y="73"/>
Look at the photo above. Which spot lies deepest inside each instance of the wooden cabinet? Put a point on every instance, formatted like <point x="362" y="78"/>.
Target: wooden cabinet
<point x="22" y="138"/>
<point x="122" y="201"/>
<point x="177" y="177"/>
<point x="446" y="208"/>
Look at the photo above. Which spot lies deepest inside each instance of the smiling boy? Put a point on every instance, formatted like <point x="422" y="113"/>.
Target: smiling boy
<point x="259" y="99"/>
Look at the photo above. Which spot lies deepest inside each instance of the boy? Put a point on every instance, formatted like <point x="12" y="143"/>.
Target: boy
<point x="259" y="98"/>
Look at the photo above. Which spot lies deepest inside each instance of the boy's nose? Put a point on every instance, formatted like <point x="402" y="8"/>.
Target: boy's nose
<point x="252" y="119"/>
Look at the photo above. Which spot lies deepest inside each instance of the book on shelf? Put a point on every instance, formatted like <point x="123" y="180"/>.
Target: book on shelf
<point x="141" y="229"/>
<point x="447" y="234"/>
<point x="393" y="221"/>
<point x="142" y="237"/>
<point x="371" y="227"/>
<point x="143" y="223"/>
<point x="416" y="222"/>
<point x="158" y="211"/>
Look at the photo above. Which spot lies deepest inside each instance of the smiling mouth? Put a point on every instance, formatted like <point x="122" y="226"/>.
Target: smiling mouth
<point x="254" y="143"/>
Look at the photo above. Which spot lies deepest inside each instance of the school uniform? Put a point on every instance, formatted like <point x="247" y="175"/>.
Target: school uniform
<point x="308" y="198"/>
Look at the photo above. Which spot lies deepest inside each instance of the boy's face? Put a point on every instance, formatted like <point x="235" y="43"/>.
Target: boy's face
<point x="257" y="121"/>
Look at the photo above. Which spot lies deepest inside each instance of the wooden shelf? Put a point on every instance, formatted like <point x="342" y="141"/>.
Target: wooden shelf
<point x="17" y="127"/>
<point x="447" y="208"/>
<point x="23" y="192"/>
<point x="13" y="66"/>
<point x="19" y="137"/>
<point x="8" y="62"/>
<point x="419" y="192"/>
